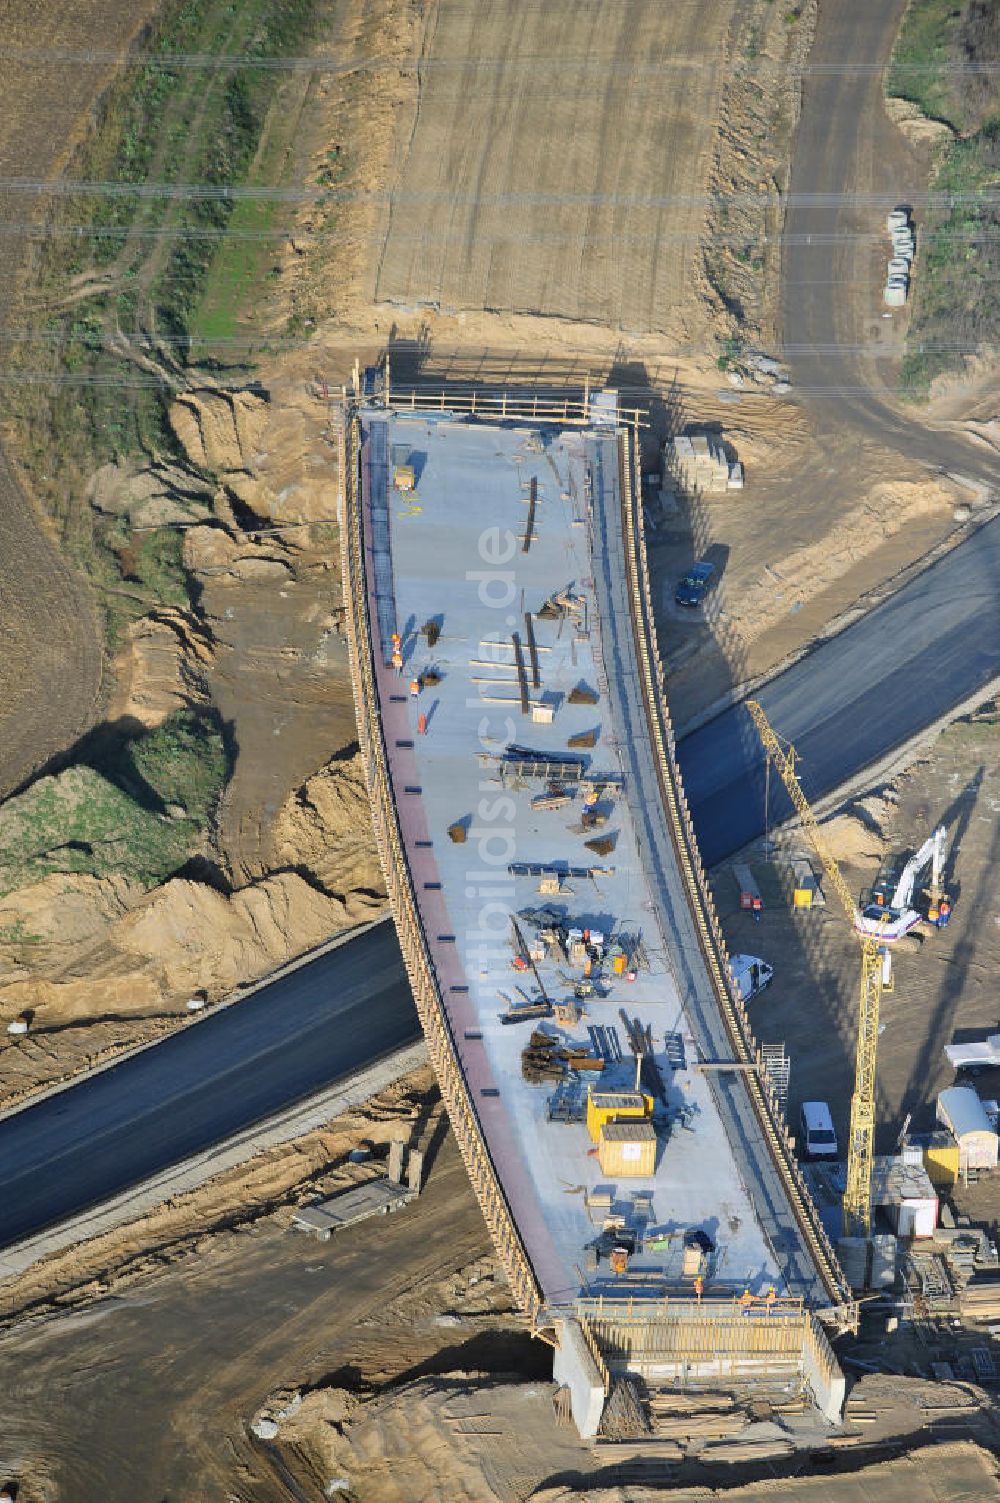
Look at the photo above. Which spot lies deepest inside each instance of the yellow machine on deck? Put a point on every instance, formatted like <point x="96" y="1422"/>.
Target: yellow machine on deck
<point x="861" y="1142"/>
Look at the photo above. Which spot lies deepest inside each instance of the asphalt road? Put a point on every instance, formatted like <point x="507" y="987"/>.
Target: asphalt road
<point x="201" y="1085"/>
<point x="853" y="699"/>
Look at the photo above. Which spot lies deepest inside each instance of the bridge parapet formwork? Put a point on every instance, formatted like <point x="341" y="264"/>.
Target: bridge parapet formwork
<point x="395" y="866"/>
<point x="843" y="1312"/>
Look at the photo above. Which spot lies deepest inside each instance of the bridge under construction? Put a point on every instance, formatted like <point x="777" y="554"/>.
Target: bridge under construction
<point x="601" y="1076"/>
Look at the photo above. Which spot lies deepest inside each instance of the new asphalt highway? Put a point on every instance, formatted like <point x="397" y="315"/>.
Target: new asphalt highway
<point x="855" y="698"/>
<point x="235" y="1067"/>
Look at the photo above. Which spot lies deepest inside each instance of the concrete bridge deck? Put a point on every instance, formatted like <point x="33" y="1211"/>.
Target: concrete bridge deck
<point x="453" y="553"/>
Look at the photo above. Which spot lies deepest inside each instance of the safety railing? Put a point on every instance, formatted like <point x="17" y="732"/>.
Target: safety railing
<point x="702" y="904"/>
<point x="503" y="405"/>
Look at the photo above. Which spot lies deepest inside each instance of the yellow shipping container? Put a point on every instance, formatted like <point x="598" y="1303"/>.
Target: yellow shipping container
<point x="941" y="1160"/>
<point x="627" y="1149"/>
<point x="611" y="1106"/>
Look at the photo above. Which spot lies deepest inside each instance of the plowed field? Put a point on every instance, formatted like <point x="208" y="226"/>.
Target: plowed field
<point x="557" y="163"/>
<point x="50" y="665"/>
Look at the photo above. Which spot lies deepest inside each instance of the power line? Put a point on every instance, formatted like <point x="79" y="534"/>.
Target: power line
<point x="142" y="340"/>
<point x="220" y="192"/>
<point x="515" y="239"/>
<point x="433" y="400"/>
<point x="542" y="61"/>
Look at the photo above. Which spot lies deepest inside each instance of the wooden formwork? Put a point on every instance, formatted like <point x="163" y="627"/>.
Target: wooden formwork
<point x="419" y="964"/>
<point x="713" y="945"/>
<point x="712" y="1338"/>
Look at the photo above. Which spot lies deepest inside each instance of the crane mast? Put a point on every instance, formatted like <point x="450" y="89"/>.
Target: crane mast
<point x="861" y="1140"/>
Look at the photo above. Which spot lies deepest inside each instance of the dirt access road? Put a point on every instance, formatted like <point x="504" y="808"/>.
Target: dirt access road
<point x="147" y="1393"/>
<point x="557" y="160"/>
<point x="831" y="309"/>
<point x="50" y="668"/>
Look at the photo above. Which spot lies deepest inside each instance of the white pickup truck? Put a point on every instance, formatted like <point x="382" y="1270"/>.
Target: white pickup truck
<point x="982" y="1054"/>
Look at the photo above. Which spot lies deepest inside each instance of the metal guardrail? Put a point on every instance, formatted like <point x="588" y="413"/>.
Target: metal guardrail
<point x="713" y="945"/>
<point x="416" y="955"/>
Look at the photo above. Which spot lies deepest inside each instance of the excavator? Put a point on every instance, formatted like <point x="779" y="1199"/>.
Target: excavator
<point x="892" y="910"/>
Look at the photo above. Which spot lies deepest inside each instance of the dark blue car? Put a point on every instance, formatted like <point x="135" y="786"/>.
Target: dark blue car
<point x="695" y="585"/>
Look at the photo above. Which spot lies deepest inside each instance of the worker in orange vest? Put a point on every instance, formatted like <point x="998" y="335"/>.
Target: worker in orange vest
<point x="746" y="1300"/>
<point x="771" y="1297"/>
<point x="756" y="907"/>
<point x="699" y="1288"/>
<point x="414" y="687"/>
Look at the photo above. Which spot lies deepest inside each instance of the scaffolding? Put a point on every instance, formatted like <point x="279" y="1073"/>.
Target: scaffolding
<point x="746" y="1052"/>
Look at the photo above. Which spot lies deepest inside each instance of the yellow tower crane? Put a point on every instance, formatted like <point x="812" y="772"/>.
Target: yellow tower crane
<point x="861" y="1143"/>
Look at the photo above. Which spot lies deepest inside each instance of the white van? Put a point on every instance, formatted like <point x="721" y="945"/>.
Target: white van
<point x="819" y="1141"/>
<point x="750" y="973"/>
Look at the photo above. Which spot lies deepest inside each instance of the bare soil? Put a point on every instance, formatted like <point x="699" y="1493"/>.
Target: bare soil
<point x="50" y="676"/>
<point x="134" y="1365"/>
<point x="943" y="981"/>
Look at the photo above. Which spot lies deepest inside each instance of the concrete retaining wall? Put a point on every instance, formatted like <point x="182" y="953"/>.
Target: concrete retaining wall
<point x="575" y="1368"/>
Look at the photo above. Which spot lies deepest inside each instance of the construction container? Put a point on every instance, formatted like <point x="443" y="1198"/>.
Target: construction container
<point x="942" y="1160"/>
<point x="904" y="1192"/>
<point x="627" y="1149"/>
<point x="960" y="1110"/>
<point x="613" y="1106"/>
<point x="894" y="297"/>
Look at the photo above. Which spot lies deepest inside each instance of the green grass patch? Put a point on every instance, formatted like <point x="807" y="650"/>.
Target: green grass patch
<point x="921" y="55"/>
<point x="141" y="813"/>
<point x="938" y="64"/>
<point x="157" y="123"/>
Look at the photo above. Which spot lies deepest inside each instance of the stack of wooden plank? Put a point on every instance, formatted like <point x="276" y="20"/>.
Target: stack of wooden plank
<point x="686" y="1417"/>
<point x="980" y="1299"/>
<point x="754" y="1448"/>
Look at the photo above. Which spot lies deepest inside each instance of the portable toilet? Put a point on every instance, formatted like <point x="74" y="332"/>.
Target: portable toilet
<point x="960" y="1110"/>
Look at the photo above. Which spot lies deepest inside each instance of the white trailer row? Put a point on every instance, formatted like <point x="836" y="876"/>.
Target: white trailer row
<point x="897" y="284"/>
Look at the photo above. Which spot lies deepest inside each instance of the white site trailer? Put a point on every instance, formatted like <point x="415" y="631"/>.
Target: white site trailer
<point x="960" y="1110"/>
